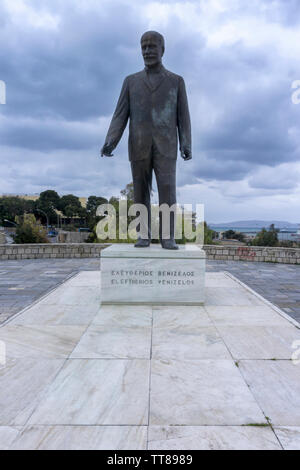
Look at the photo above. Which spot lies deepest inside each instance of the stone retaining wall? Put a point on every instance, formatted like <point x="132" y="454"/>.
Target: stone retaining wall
<point x="51" y="250"/>
<point x="253" y="253"/>
<point x="92" y="250"/>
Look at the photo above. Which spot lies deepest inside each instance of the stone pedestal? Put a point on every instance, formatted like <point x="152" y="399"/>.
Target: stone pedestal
<point x="152" y="276"/>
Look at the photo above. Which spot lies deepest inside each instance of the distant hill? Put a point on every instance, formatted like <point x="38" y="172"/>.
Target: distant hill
<point x="256" y="224"/>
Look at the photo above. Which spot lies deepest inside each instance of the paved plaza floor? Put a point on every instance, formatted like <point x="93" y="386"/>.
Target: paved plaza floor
<point x="279" y="283"/>
<point x="24" y="281"/>
<point x="221" y="376"/>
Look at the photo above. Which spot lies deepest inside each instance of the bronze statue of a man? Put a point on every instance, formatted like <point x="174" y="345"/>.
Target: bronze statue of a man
<point x="155" y="102"/>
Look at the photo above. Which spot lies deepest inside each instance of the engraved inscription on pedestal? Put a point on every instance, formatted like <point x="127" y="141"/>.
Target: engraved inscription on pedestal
<point x="152" y="276"/>
<point x="132" y="277"/>
<point x="176" y="278"/>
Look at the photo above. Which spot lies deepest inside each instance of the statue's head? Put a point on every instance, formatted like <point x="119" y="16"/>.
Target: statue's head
<point x="153" y="48"/>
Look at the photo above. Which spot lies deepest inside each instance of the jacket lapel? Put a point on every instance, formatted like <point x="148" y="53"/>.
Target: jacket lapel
<point x="147" y="82"/>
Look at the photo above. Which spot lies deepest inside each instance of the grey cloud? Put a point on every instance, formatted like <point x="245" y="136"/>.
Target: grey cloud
<point x="61" y="80"/>
<point x="75" y="71"/>
<point x="285" y="184"/>
<point x="280" y="178"/>
<point x="49" y="135"/>
<point x="66" y="171"/>
<point x="204" y="167"/>
<point x="286" y="12"/>
<point x="254" y="112"/>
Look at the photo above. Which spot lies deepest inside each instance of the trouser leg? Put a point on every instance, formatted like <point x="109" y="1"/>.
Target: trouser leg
<point x="142" y="185"/>
<point x="165" y="172"/>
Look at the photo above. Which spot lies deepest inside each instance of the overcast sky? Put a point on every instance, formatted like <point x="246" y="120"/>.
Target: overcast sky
<point x="64" y="61"/>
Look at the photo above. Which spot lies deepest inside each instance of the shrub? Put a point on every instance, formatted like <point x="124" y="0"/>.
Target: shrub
<point x="29" y="231"/>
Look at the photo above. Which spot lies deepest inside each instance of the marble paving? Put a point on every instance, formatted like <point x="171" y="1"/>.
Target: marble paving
<point x="74" y="375"/>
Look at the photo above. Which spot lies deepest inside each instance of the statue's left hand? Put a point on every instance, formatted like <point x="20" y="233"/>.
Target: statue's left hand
<point x="107" y="150"/>
<point x="186" y="155"/>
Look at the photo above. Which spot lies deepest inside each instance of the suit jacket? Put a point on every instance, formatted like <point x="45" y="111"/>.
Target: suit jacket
<point x="156" y="115"/>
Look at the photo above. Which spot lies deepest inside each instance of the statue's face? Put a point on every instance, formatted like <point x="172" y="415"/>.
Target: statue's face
<point x="152" y="50"/>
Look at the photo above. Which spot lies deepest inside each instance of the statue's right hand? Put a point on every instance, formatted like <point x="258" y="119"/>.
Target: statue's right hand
<point x="106" y="150"/>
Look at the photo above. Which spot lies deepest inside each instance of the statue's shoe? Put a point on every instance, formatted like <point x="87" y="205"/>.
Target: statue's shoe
<point x="142" y="243"/>
<point x="169" y="245"/>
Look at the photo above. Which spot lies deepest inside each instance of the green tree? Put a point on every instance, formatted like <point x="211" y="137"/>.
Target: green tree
<point x="29" y="230"/>
<point x="71" y="206"/>
<point x="13" y="206"/>
<point x="47" y="202"/>
<point x="114" y="201"/>
<point x="49" y="198"/>
<point x="69" y="200"/>
<point x="93" y="202"/>
<point x="232" y="235"/>
<point x="240" y="236"/>
<point x="128" y="192"/>
<point x="229" y="234"/>
<point x="208" y="235"/>
<point x="266" y="237"/>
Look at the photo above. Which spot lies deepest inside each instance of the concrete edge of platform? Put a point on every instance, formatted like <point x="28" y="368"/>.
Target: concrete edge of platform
<point x="263" y="299"/>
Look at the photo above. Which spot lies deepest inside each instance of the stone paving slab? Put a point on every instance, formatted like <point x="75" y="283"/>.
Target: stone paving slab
<point x="248" y="316"/>
<point x="135" y="377"/>
<point x="172" y="318"/>
<point x="276" y="387"/>
<point x="195" y="343"/>
<point x="259" y="342"/>
<point x="8" y="435"/>
<point x="51" y="315"/>
<point x="289" y="437"/>
<point x="120" y="316"/>
<point x="41" y="341"/>
<point x="22" y="382"/>
<point x="200" y="393"/>
<point x="212" y="438"/>
<point x="97" y="392"/>
<point x="79" y="437"/>
<point x="100" y="342"/>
